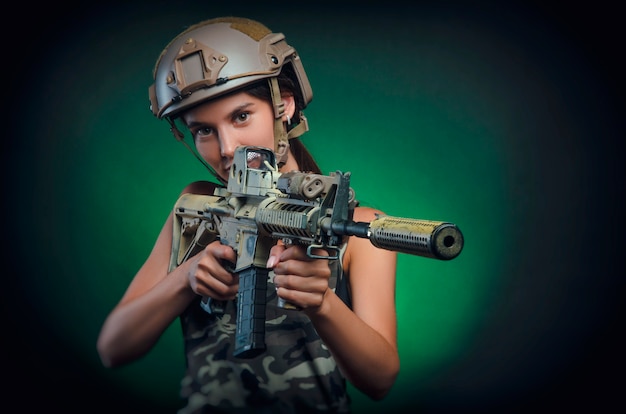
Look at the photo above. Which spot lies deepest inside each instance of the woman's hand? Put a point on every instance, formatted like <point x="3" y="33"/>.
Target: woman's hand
<point x="208" y="274"/>
<point x="299" y="279"/>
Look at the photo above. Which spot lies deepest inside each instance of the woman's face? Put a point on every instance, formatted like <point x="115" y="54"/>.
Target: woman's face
<point x="220" y="126"/>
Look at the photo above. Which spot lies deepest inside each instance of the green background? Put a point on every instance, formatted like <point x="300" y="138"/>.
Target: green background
<point x="501" y="119"/>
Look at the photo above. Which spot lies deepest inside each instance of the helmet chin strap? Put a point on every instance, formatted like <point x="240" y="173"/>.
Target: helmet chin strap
<point x="281" y="136"/>
<point x="180" y="137"/>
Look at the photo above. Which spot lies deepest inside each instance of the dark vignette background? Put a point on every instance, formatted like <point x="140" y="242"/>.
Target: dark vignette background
<point x="504" y="119"/>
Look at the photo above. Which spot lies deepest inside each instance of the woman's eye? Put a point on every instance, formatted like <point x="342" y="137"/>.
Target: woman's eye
<point x="242" y="116"/>
<point x="202" y="132"/>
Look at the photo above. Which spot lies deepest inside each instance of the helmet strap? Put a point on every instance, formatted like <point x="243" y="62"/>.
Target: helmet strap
<point x="281" y="141"/>
<point x="281" y="136"/>
<point x="301" y="128"/>
<point x="180" y="137"/>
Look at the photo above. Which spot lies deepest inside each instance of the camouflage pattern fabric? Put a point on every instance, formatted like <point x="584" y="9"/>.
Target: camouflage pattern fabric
<point x="296" y="374"/>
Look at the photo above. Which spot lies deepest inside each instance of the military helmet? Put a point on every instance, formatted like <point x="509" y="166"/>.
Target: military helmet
<point x="218" y="56"/>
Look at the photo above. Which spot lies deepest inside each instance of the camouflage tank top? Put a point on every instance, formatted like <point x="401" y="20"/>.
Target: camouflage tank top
<point x="296" y="373"/>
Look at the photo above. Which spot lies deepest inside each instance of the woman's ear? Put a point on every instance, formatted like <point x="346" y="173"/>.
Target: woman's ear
<point x="290" y="107"/>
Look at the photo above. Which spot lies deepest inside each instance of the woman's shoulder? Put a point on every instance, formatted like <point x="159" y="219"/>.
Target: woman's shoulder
<point x="367" y="214"/>
<point x="200" y="187"/>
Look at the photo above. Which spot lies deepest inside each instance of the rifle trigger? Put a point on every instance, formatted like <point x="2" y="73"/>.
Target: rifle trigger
<point x="329" y="249"/>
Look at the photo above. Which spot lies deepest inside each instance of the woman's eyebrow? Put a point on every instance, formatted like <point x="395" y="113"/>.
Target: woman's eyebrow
<point x="239" y="109"/>
<point x="230" y="115"/>
<point x="194" y="124"/>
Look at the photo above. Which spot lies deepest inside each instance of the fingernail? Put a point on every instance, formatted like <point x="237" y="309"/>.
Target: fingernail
<point x="271" y="262"/>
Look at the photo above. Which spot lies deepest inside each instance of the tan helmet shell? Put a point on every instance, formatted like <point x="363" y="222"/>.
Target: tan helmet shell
<point x="218" y="56"/>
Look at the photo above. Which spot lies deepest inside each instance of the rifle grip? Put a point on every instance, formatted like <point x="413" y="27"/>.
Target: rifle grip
<point x="250" y="331"/>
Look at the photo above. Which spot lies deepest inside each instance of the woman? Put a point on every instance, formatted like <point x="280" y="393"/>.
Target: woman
<point x="232" y="82"/>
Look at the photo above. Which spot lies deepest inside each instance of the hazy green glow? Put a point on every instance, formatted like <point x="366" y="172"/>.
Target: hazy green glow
<point x="436" y="118"/>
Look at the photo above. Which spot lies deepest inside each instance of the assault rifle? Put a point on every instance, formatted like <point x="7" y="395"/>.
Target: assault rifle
<point x="259" y="206"/>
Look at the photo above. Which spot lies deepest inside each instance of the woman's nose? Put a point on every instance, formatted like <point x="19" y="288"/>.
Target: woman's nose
<point x="228" y="143"/>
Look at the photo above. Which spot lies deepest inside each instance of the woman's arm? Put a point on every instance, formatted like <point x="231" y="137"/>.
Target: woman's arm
<point x="150" y="304"/>
<point x="362" y="340"/>
<point x="155" y="298"/>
